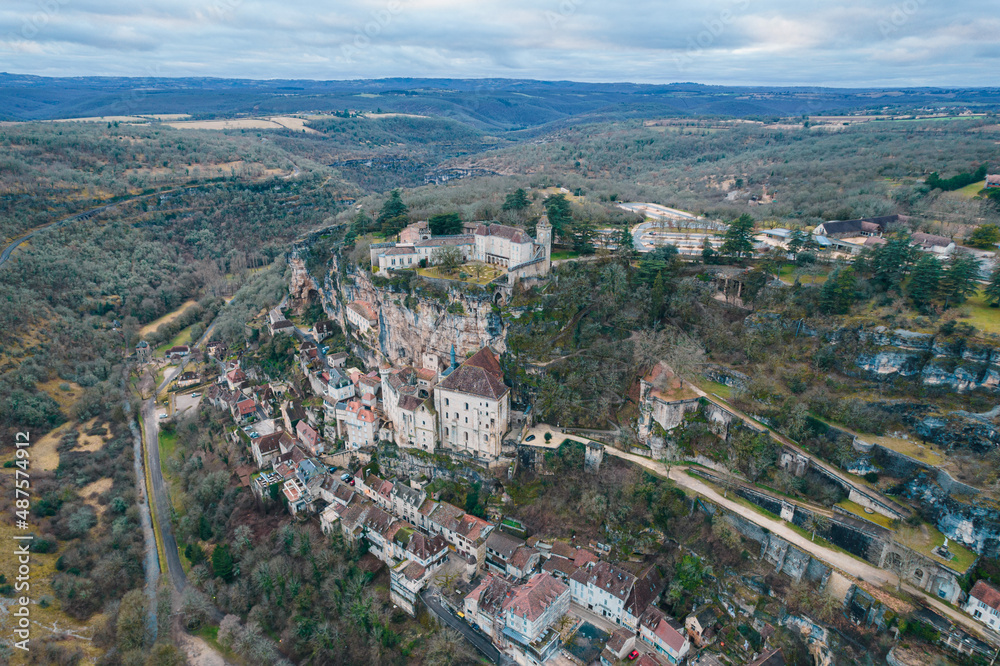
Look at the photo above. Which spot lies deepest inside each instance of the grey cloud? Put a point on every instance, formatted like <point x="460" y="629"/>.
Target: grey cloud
<point x="851" y="43"/>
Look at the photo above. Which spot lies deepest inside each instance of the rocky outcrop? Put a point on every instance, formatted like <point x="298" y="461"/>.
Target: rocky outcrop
<point x="423" y="317"/>
<point x="975" y="523"/>
<point x="302" y="288"/>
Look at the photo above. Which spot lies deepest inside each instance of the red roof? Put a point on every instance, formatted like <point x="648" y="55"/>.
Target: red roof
<point x="246" y="406"/>
<point x="534" y="597"/>
<point x="986" y="593"/>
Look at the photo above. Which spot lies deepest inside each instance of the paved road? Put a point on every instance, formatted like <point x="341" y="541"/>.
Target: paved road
<point x="7" y="251"/>
<point x="842" y="561"/>
<point x="902" y="511"/>
<point x="159" y="493"/>
<point x="480" y="641"/>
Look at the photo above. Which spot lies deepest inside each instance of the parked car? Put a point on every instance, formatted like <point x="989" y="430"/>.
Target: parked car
<point x="195" y="395"/>
<point x="633" y="655"/>
<point x="333" y="468"/>
<point x="345" y="476"/>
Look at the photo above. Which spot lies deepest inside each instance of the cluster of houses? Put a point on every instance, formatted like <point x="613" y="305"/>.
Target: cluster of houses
<point x="497" y="244"/>
<point x="463" y="408"/>
<point x="850" y="237"/>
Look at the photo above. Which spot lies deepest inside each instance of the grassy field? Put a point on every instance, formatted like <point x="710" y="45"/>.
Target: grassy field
<point x="564" y="254"/>
<point x="981" y="315"/>
<point x="787" y="274"/>
<point x="708" y="386"/>
<point x="859" y="511"/>
<point x="970" y="191"/>
<point x="963" y="557"/>
<point x="182" y="338"/>
<point x="487" y="274"/>
<point x="167" y="318"/>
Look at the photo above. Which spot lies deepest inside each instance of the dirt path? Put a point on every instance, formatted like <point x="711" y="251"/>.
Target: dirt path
<point x="198" y="652"/>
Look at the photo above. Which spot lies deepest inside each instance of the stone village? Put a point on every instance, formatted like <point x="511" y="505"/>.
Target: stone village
<point x="439" y="394"/>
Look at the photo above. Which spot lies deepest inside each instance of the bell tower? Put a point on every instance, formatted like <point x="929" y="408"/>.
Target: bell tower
<point x="543" y="236"/>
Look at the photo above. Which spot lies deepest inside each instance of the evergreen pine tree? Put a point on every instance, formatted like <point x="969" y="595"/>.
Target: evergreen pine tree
<point x="925" y="281"/>
<point x="222" y="562"/>
<point x="992" y="290"/>
<point x="516" y="200"/>
<point x="657" y="298"/>
<point x="959" y="281"/>
<point x="560" y="214"/>
<point x="392" y="217"/>
<point x="738" y="243"/>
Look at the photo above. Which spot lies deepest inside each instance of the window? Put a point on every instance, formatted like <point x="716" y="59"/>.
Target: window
<point x="466" y="405"/>
<point x="466" y="437"/>
<point x="446" y="401"/>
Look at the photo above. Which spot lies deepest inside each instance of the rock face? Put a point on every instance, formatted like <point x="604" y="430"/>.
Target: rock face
<point x="302" y="288"/>
<point x="975" y="524"/>
<point x="411" y="323"/>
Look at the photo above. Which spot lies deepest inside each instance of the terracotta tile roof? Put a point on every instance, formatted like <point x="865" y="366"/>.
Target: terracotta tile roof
<point x="475" y="380"/>
<point x="439" y="241"/>
<point x="426" y="374"/>
<point x="667" y="630"/>
<point x="377" y="520"/>
<point x="533" y="598"/>
<point x="414" y="571"/>
<point x="423" y="546"/>
<point x="986" y="593"/>
<point x="562" y="565"/>
<point x="618" y="640"/>
<point x="522" y="556"/>
<point x="410" y="403"/>
<point x="247" y="406"/>
<point x="608" y="578"/>
<point x="491" y="594"/>
<point x="364" y="309"/>
<point x="269" y="443"/>
<point x="647" y="587"/>
<point x="563" y="549"/>
<point x="582" y="556"/>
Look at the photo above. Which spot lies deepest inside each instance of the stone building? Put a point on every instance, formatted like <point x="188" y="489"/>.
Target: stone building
<point x="473" y="406"/>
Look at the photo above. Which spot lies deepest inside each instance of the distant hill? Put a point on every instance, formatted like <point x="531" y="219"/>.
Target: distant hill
<point x="497" y="104"/>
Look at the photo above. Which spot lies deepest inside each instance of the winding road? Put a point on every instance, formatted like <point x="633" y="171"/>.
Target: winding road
<point x="85" y="215"/>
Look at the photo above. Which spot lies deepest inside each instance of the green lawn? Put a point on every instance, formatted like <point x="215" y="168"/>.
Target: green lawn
<point x="859" y="511"/>
<point x="708" y="386"/>
<point x="182" y="338"/>
<point x="981" y="315"/>
<point x="787" y="275"/>
<point x="970" y="191"/>
<point x="487" y="274"/>
<point x="564" y="254"/>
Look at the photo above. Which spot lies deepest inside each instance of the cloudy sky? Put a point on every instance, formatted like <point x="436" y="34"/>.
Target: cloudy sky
<point x="795" y="42"/>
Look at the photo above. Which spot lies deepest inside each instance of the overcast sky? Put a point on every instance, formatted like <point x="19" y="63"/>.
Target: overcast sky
<point x="795" y="42"/>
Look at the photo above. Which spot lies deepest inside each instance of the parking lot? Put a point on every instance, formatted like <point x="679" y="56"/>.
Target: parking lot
<point x="186" y="401"/>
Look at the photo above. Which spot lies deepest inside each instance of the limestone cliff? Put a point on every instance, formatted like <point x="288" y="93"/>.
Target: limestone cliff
<point x="425" y="318"/>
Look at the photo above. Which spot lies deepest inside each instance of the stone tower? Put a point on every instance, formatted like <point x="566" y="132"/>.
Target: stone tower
<point x="543" y="236"/>
<point x="593" y="457"/>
